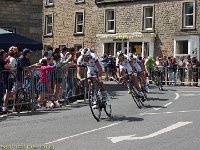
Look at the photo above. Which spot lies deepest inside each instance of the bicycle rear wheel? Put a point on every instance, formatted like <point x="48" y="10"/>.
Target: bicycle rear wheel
<point x="96" y="111"/>
<point x="20" y="99"/>
<point x="108" y="110"/>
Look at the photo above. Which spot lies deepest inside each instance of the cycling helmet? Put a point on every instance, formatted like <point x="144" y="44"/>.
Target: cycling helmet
<point x="149" y="57"/>
<point x="13" y="50"/>
<point x="119" y="53"/>
<point x="86" y="52"/>
<point x="130" y="55"/>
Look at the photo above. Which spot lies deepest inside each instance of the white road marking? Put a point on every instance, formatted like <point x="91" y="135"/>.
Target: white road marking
<point x="184" y="111"/>
<point x="132" y="137"/>
<point x="190" y="94"/>
<point x="189" y="91"/>
<point x="177" y="96"/>
<point x="86" y="132"/>
<point x="156" y="108"/>
<point x="168" y="104"/>
<point x="164" y="106"/>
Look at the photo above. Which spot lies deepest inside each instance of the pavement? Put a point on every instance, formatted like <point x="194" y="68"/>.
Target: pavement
<point x="170" y="120"/>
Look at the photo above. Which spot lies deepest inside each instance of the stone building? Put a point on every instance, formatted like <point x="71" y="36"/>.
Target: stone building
<point x="69" y="23"/>
<point x="159" y="27"/>
<point x="23" y="17"/>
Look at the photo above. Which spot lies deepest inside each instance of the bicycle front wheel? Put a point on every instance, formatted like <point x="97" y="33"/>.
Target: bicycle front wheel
<point x="136" y="100"/>
<point x="94" y="105"/>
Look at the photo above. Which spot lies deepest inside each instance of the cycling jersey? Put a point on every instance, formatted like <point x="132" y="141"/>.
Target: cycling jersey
<point x="90" y="64"/>
<point x="124" y="65"/>
<point x="135" y="62"/>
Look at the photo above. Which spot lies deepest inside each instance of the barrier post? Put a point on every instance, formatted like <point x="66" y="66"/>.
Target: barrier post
<point x="165" y="75"/>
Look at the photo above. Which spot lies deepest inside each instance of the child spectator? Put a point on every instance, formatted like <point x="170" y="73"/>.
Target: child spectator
<point x="42" y="83"/>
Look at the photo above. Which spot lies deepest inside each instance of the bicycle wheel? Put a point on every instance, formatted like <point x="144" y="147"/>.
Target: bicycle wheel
<point x="136" y="100"/>
<point x="96" y="111"/>
<point x="31" y="104"/>
<point x="108" y="110"/>
<point x="20" y="99"/>
<point x="160" y="86"/>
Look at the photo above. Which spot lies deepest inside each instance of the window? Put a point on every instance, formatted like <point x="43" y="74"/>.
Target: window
<point x="61" y="46"/>
<point x="79" y="22"/>
<point x="182" y="47"/>
<point x="49" y="2"/>
<point x="77" y="47"/>
<point x="148" y="18"/>
<point x="49" y="24"/>
<point x="188" y="14"/>
<point x="13" y="30"/>
<point x="110" y="21"/>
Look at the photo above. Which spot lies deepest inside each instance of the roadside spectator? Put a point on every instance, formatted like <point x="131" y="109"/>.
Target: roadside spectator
<point x="104" y="62"/>
<point x="174" y="71"/>
<point x="169" y="69"/>
<point x="158" y="61"/>
<point x="189" y="70"/>
<point x="23" y="68"/>
<point x="45" y="56"/>
<point x="42" y="83"/>
<point x="3" y="66"/>
<point x="56" y="51"/>
<point x="11" y="76"/>
<point x="63" y="53"/>
<point x="181" y="66"/>
<point x="58" y="75"/>
<point x="195" y="65"/>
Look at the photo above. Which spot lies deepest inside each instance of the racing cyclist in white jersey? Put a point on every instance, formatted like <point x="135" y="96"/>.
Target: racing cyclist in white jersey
<point x="124" y="67"/>
<point x="136" y="67"/>
<point x="91" y="61"/>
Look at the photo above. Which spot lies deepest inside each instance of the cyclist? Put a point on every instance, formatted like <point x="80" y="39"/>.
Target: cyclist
<point x="91" y="61"/>
<point x="136" y="67"/>
<point x="149" y="65"/>
<point x="123" y="67"/>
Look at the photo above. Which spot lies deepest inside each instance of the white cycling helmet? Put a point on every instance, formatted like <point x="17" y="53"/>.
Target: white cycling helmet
<point x="119" y="53"/>
<point x="86" y="52"/>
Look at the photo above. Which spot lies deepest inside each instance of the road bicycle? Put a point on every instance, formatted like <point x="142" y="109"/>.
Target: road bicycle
<point x="157" y="76"/>
<point x="134" y="93"/>
<point x="97" y="102"/>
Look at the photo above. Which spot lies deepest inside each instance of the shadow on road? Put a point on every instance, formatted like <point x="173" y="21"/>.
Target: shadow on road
<point x="124" y="118"/>
<point x="157" y="99"/>
<point x="154" y="106"/>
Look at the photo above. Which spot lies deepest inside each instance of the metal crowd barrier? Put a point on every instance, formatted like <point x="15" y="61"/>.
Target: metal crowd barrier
<point x="41" y="86"/>
<point x="180" y="76"/>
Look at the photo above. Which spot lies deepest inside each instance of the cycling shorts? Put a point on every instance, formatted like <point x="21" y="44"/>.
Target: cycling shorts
<point x="127" y="68"/>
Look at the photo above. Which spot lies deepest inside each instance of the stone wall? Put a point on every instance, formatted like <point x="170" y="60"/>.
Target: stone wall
<point x="168" y="21"/>
<point x="25" y="16"/>
<point x="64" y="23"/>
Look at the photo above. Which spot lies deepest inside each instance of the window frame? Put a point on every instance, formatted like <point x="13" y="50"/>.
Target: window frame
<point x="144" y="18"/>
<point x="79" y="1"/>
<point x="183" y="20"/>
<point x="106" y="21"/>
<point x="49" y="4"/>
<point x="75" y="22"/>
<point x="45" y="27"/>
